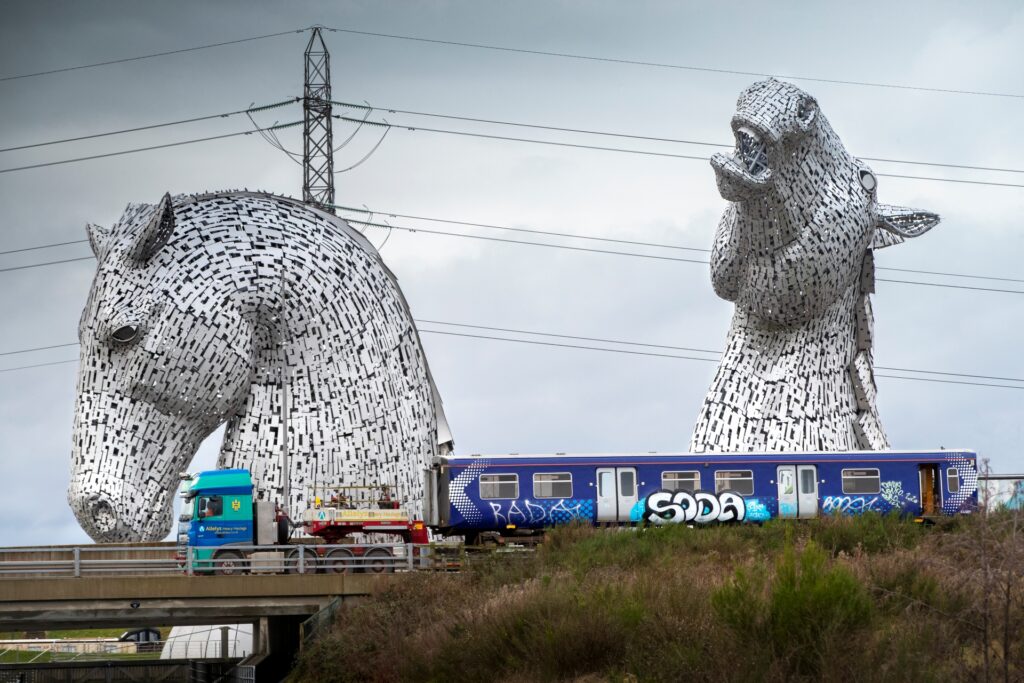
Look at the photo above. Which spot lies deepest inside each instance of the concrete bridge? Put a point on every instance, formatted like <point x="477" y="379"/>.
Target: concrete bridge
<point x="101" y="587"/>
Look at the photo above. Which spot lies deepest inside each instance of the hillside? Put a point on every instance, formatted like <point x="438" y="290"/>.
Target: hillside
<point x="844" y="598"/>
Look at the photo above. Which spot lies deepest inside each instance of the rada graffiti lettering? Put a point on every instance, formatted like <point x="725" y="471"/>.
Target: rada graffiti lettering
<point x="851" y="504"/>
<point x="701" y="507"/>
<point x="541" y="512"/>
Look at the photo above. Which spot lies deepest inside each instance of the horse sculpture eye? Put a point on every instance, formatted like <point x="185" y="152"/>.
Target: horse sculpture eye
<point x="125" y="335"/>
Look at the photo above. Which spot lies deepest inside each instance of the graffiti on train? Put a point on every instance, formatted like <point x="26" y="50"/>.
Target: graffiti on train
<point x="854" y="504"/>
<point x="700" y="507"/>
<point x="542" y="512"/>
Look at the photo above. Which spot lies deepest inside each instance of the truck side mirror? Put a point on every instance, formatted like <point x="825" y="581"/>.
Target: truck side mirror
<point x="185" y="517"/>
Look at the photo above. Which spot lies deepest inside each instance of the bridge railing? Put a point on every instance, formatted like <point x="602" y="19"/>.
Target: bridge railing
<point x="229" y="560"/>
<point x="28" y="651"/>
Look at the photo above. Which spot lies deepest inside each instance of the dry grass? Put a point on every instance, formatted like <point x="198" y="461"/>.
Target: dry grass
<point x="852" y="599"/>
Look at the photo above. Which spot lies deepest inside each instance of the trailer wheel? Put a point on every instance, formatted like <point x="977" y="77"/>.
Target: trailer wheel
<point x="339" y="561"/>
<point x="379" y="561"/>
<point x="229" y="563"/>
<point x="309" y="561"/>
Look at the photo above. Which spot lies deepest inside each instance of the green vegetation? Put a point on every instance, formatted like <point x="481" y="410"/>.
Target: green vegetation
<point x="841" y="598"/>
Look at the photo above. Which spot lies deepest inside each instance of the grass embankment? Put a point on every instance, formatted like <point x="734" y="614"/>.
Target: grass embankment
<point x="856" y="598"/>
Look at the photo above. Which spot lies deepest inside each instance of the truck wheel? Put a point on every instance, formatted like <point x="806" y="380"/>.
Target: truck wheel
<point x="379" y="561"/>
<point x="339" y="561"/>
<point x="229" y="563"/>
<point x="309" y="561"/>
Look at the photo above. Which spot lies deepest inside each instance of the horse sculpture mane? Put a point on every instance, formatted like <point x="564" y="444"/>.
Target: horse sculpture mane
<point x="794" y="251"/>
<point x="214" y="308"/>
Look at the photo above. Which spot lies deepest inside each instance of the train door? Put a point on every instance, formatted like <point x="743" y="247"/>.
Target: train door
<point x="788" y="502"/>
<point x="928" y="475"/>
<point x="616" y="493"/>
<point x="798" y="491"/>
<point x="807" y="490"/>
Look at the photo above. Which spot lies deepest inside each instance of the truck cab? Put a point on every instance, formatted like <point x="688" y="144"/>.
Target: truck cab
<point x="217" y="512"/>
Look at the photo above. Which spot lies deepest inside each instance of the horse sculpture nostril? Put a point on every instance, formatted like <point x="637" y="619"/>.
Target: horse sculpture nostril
<point x="103" y="516"/>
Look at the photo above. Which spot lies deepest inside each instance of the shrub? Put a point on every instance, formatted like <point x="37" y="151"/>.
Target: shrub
<point x="799" y="616"/>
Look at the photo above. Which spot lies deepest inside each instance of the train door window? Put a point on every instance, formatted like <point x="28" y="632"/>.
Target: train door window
<point x="737" y="481"/>
<point x="807" y="490"/>
<point x="952" y="480"/>
<point x="499" y="486"/>
<point x="861" y="481"/>
<point x="627" y="483"/>
<point x="552" y="485"/>
<point x="680" y="481"/>
<point x="606" y="483"/>
<point x="209" y="506"/>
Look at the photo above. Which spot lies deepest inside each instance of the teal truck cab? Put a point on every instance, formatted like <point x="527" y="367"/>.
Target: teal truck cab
<point x="218" y="513"/>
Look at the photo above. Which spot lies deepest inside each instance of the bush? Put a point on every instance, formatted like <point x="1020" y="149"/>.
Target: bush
<point x="800" y="616"/>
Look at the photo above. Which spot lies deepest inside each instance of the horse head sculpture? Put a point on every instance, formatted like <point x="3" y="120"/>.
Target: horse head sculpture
<point x="217" y="308"/>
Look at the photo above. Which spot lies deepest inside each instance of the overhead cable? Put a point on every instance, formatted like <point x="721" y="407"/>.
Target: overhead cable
<point x="224" y="115"/>
<point x="642" y="152"/>
<point x="151" y="147"/>
<point x="709" y="360"/>
<point x="547" y="233"/>
<point x="683" y="67"/>
<point x="660" y="245"/>
<point x="422" y="321"/>
<point x="650" y="138"/>
<point x="151" y="55"/>
<point x="637" y="255"/>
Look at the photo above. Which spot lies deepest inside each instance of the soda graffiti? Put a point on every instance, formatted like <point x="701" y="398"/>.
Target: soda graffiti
<point x="700" y="507"/>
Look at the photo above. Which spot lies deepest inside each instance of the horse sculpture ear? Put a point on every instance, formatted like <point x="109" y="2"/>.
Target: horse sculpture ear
<point x="894" y="223"/>
<point x="154" y="235"/>
<point x="98" y="236"/>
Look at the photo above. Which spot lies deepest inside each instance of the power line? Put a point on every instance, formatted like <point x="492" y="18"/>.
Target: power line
<point x="491" y="226"/>
<point x="388" y="226"/>
<point x="225" y="115"/>
<point x="150" y="56"/>
<point x="39" y="365"/>
<point x="636" y="255"/>
<point x="624" y="150"/>
<point x="602" y="340"/>
<point x="37" y="348"/>
<point x="48" y="263"/>
<point x="607" y="341"/>
<point x="42" y="246"/>
<point x="666" y="355"/>
<point x="650" y="138"/>
<point x="685" y="348"/>
<point x="683" y="67"/>
<point x="278" y="126"/>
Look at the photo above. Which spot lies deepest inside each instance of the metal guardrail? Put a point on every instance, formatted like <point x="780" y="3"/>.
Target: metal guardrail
<point x="76" y="650"/>
<point x="229" y="560"/>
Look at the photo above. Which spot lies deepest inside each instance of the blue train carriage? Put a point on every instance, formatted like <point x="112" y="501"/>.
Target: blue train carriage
<point x="522" y="494"/>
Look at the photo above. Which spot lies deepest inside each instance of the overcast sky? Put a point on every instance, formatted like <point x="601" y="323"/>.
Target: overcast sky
<point x="500" y="396"/>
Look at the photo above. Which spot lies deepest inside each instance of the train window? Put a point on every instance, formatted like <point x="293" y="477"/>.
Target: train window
<point x="861" y="481"/>
<point x="552" y="485"/>
<point x="499" y="485"/>
<point x="737" y="481"/>
<point x="952" y="480"/>
<point x="680" y="481"/>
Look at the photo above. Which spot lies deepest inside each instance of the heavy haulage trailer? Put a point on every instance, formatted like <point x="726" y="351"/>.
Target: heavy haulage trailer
<point x="495" y="497"/>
